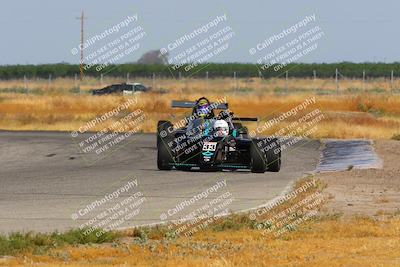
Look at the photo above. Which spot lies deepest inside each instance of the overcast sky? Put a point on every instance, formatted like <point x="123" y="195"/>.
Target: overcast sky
<point x="44" y="31"/>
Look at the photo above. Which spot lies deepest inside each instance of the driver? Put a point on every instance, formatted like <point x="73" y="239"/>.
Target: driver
<point x="202" y="109"/>
<point x="221" y="128"/>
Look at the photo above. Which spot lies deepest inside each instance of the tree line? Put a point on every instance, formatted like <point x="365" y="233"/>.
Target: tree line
<point x="213" y="70"/>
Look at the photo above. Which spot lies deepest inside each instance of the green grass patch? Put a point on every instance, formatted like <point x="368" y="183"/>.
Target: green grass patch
<point x="37" y="243"/>
<point x="17" y="90"/>
<point x="396" y="137"/>
<point x="376" y="91"/>
<point x="233" y="222"/>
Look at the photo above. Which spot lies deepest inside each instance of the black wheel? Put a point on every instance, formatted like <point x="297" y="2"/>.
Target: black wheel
<point x="164" y="151"/>
<point x="273" y="152"/>
<point x="162" y="130"/>
<point x="258" y="159"/>
<point x="240" y="128"/>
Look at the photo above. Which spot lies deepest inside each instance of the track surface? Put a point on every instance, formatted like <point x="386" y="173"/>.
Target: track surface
<point x="44" y="179"/>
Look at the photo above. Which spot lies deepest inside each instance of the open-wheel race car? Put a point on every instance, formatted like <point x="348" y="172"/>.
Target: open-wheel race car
<point x="214" y="142"/>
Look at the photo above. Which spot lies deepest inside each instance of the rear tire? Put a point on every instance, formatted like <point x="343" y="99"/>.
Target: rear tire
<point x="258" y="159"/>
<point x="273" y="155"/>
<point x="164" y="151"/>
<point x="237" y="125"/>
<point x="241" y="130"/>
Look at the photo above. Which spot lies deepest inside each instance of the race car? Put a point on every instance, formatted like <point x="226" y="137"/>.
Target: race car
<point x="212" y="142"/>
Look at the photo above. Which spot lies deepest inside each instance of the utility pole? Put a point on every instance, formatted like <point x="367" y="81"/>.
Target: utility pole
<point x="81" y="18"/>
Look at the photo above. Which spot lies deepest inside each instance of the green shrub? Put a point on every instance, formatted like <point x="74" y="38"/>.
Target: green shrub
<point x="396" y="137"/>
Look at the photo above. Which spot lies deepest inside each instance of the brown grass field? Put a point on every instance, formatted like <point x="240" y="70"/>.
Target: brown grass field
<point x="365" y="113"/>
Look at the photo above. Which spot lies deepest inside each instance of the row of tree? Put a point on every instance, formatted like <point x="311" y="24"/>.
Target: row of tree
<point x="323" y="70"/>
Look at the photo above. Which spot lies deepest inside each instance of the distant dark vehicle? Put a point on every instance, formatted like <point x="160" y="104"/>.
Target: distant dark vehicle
<point x="121" y="88"/>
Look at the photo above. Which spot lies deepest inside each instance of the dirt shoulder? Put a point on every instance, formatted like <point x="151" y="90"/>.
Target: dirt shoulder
<point x="371" y="192"/>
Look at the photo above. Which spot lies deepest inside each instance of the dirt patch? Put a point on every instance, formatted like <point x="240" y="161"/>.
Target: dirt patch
<point x="371" y="192"/>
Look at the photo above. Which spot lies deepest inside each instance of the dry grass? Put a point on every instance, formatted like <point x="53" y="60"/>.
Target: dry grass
<point x="355" y="116"/>
<point x="54" y="107"/>
<point x="358" y="242"/>
<point x="382" y="200"/>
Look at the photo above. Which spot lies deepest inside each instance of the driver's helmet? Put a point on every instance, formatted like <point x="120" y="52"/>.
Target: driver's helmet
<point x="203" y="109"/>
<point x="221" y="128"/>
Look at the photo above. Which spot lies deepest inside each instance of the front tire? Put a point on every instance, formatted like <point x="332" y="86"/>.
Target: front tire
<point x="164" y="151"/>
<point x="258" y="159"/>
<point x="274" y="155"/>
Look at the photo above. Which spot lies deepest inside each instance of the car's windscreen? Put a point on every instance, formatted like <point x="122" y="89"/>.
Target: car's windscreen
<point x="199" y="125"/>
<point x="140" y="87"/>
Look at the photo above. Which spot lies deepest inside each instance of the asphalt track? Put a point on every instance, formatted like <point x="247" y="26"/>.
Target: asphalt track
<point x="45" y="179"/>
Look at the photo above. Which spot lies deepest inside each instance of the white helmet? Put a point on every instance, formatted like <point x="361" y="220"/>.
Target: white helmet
<point x="221" y="128"/>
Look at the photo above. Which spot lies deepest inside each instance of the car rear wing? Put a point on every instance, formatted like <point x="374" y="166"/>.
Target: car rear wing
<point x="191" y="104"/>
